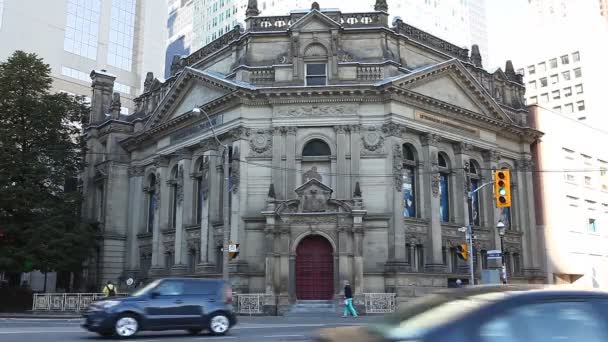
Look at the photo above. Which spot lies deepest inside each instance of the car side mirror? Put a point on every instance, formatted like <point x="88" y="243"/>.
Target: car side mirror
<point x="154" y="294"/>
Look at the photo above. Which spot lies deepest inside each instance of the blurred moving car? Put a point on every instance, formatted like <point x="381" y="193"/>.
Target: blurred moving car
<point x="166" y="304"/>
<point x="490" y="314"/>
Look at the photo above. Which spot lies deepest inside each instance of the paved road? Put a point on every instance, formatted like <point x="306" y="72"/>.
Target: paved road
<point x="250" y="329"/>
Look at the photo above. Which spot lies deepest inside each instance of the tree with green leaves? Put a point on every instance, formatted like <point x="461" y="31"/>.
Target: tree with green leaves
<point x="41" y="150"/>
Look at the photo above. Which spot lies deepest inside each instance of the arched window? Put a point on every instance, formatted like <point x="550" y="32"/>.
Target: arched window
<point x="444" y="188"/>
<point x="315" y="148"/>
<point x="201" y="188"/>
<point x="475" y="178"/>
<point x="174" y="197"/>
<point x="410" y="177"/>
<point x="151" y="203"/>
<point x="315" y="57"/>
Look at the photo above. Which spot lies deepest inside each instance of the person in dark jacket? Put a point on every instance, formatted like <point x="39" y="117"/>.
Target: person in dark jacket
<point x="348" y="300"/>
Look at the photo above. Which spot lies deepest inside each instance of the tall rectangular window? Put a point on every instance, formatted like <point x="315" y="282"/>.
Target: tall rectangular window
<point x="554" y="79"/>
<point x="542" y="67"/>
<point x="543" y="82"/>
<point x="444" y="199"/>
<point x="82" y="28"/>
<point x="316" y="74"/>
<point x="580" y="105"/>
<point x="122" y="31"/>
<point x="592" y="226"/>
<point x="579" y="88"/>
<point x="578" y="73"/>
<point x="409" y="191"/>
<point x="555" y="94"/>
<point x="576" y="57"/>
<point x="568" y="91"/>
<point x="566" y="75"/>
<point x="532" y="84"/>
<point x="565" y="59"/>
<point x="474" y="210"/>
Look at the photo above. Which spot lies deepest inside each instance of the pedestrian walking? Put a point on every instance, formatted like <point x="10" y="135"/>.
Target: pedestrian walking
<point x="109" y="290"/>
<point x="348" y="300"/>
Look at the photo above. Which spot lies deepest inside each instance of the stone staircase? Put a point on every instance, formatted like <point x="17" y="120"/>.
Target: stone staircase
<point x="313" y="308"/>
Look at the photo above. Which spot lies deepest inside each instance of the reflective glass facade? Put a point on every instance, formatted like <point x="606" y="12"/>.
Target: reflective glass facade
<point x="82" y="28"/>
<point x="122" y="31"/>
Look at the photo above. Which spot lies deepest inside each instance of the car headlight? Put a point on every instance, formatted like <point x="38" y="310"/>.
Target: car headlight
<point x="109" y="303"/>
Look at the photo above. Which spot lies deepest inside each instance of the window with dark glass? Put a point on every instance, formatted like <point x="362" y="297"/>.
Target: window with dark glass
<point x="474" y="209"/>
<point x="151" y="204"/>
<point x="316" y="74"/>
<point x="174" y="198"/>
<point x="316" y="148"/>
<point x="191" y="261"/>
<point x="201" y="188"/>
<point x="168" y="260"/>
<point x="409" y="182"/>
<point x="444" y="186"/>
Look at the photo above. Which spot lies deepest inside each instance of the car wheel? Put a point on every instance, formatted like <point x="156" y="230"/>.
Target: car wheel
<point x="219" y="324"/>
<point x="194" y="331"/>
<point x="126" y="326"/>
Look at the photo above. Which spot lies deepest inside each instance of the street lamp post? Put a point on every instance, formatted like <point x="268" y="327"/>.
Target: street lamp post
<point x="226" y="213"/>
<point x="501" y="231"/>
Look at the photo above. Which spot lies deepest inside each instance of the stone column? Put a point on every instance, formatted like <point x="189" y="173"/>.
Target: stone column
<point x="290" y="153"/>
<point x="277" y="163"/>
<point x="215" y="187"/>
<point x="343" y="255"/>
<point x="488" y="208"/>
<point x="358" y="256"/>
<point x="461" y="205"/>
<point x="396" y="252"/>
<point x="161" y="219"/>
<point x="285" y="255"/>
<point x="137" y="217"/>
<point x="341" y="147"/>
<point x="532" y="246"/>
<point x="269" y="234"/>
<point x="434" y="259"/>
<point x="355" y="155"/>
<point x="183" y="192"/>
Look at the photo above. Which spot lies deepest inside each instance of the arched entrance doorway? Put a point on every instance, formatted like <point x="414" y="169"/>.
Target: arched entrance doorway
<point x="314" y="269"/>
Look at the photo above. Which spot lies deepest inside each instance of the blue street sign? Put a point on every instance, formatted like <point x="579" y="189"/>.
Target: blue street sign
<point x="494" y="254"/>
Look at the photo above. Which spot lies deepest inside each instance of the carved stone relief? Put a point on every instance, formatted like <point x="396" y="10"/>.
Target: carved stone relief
<point x="397" y="167"/>
<point x="373" y="141"/>
<point x="260" y="142"/>
<point x="312" y="174"/>
<point x="316" y="110"/>
<point x="179" y="187"/>
<point x="394" y="130"/>
<point x="435" y="184"/>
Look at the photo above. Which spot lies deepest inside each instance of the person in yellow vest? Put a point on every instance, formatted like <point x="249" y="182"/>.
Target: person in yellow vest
<point x="109" y="290"/>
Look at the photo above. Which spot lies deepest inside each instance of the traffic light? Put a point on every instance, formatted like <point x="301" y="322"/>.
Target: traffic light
<point x="233" y="250"/>
<point x="463" y="251"/>
<point x="502" y="188"/>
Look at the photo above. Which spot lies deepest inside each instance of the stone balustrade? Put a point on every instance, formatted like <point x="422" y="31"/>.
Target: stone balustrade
<point x="66" y="301"/>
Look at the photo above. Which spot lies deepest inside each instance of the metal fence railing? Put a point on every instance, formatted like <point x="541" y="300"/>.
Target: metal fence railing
<point x="65" y="301"/>
<point x="380" y="303"/>
<point x="250" y="303"/>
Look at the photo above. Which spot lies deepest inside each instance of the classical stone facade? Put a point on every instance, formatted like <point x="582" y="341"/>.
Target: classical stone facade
<point x="351" y="142"/>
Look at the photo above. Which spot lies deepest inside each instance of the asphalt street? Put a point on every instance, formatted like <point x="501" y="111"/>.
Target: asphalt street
<point x="250" y="329"/>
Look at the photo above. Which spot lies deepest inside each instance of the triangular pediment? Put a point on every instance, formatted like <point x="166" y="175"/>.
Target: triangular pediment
<point x="451" y="83"/>
<point x="193" y="88"/>
<point x="314" y="21"/>
<point x="314" y="186"/>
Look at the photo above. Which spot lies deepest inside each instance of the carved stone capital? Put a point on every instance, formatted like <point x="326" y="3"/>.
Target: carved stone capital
<point x="292" y="130"/>
<point x="435" y="180"/>
<point x="135" y="171"/>
<point x="462" y="147"/>
<point x="430" y="139"/>
<point x="184" y="154"/>
<point x="161" y="161"/>
<point x="340" y="129"/>
<point x="179" y="186"/>
<point x="393" y="129"/>
<point x="524" y="164"/>
<point x="209" y="144"/>
<point x="491" y="156"/>
<point x="283" y="130"/>
<point x="355" y="128"/>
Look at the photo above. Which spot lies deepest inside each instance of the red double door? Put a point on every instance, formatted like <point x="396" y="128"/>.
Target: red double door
<point x="314" y="269"/>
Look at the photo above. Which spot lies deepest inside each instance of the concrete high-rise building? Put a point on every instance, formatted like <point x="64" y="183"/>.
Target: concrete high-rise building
<point x="604" y="8"/>
<point x="572" y="206"/>
<point x="77" y="36"/>
<point x="461" y="22"/>
<point x="180" y="31"/>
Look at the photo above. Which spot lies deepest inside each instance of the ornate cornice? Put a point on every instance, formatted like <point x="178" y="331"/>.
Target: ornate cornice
<point x="136" y="171"/>
<point x="491" y="156"/>
<point x="462" y="147"/>
<point x="161" y="161"/>
<point x="430" y="139"/>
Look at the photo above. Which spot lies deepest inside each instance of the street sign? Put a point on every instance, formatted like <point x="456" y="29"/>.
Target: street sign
<point x="494" y="254"/>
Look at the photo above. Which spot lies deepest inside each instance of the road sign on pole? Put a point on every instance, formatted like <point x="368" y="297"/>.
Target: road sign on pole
<point x="494" y="254"/>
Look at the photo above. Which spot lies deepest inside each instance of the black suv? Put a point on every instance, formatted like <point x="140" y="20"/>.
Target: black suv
<point x="166" y="304"/>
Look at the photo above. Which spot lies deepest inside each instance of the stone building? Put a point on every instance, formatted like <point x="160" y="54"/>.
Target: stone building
<point x="351" y="143"/>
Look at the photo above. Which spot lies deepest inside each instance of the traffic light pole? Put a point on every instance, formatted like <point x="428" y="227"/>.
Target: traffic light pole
<point x="469" y="232"/>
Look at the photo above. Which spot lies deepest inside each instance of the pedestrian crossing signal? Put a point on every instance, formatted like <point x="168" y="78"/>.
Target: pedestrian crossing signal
<point x="462" y="251"/>
<point x="502" y="188"/>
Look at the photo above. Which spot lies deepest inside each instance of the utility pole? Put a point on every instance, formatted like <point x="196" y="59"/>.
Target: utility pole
<point x="469" y="227"/>
<point x="226" y="199"/>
